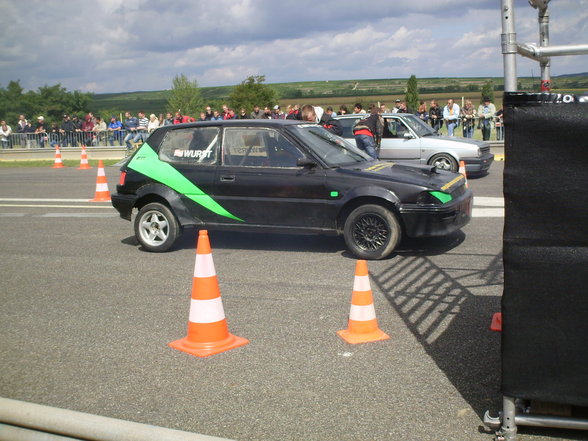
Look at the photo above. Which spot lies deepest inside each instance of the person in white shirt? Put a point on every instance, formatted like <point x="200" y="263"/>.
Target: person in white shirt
<point x="5" y="132"/>
<point x="153" y="123"/>
<point x="451" y="116"/>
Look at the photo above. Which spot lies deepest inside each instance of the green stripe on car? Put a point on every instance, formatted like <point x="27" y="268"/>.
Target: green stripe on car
<point x="147" y="162"/>
<point x="443" y="197"/>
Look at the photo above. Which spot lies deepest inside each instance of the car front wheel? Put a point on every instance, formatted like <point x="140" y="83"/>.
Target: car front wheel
<point x="371" y="232"/>
<point x="156" y="227"/>
<point x="444" y="161"/>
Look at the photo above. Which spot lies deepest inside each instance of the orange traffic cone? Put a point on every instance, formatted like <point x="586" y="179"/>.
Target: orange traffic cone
<point x="363" y="326"/>
<point x="102" y="193"/>
<point x="84" y="165"/>
<point x="208" y="333"/>
<point x="496" y="324"/>
<point x="462" y="170"/>
<point x="58" y="163"/>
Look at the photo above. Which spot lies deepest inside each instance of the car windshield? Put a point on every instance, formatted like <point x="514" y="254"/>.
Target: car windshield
<point x="332" y="149"/>
<point x="419" y="127"/>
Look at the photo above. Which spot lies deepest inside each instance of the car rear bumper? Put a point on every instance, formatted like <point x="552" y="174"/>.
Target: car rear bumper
<point x="123" y="203"/>
<point x="478" y="165"/>
<point x="426" y="221"/>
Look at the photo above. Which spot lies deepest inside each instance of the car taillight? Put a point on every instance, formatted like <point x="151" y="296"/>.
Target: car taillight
<point x="123" y="176"/>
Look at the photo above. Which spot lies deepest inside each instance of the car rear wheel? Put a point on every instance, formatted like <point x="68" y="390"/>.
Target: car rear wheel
<point x="156" y="227"/>
<point x="371" y="232"/>
<point x="444" y="161"/>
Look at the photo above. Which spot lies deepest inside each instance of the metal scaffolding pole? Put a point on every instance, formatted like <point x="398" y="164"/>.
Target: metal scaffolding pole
<point x="509" y="46"/>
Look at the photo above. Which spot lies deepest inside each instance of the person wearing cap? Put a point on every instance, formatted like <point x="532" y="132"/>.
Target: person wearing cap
<point x="396" y="107"/>
<point x="486" y="112"/>
<point x="114" y="130"/>
<point x="277" y="113"/>
<point x="41" y="131"/>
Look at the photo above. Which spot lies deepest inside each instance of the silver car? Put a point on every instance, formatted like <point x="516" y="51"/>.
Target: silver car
<point x="408" y="139"/>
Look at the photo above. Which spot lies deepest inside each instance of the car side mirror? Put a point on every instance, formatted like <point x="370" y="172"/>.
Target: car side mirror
<point x="408" y="135"/>
<point x="306" y="162"/>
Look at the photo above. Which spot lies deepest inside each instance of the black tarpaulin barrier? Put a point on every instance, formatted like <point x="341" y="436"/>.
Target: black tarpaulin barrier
<point x="545" y="299"/>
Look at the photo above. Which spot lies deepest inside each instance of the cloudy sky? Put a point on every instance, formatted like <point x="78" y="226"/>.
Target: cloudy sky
<point x="117" y="46"/>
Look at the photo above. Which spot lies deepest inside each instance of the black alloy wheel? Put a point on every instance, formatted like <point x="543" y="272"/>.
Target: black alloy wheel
<point x="371" y="232"/>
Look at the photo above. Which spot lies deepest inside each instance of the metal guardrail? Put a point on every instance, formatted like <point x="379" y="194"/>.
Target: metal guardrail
<point x="64" y="140"/>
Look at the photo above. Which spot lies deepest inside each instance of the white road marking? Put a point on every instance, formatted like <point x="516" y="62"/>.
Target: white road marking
<point x="488" y="212"/>
<point x="42" y="200"/>
<point x="89" y="215"/>
<point x="488" y="201"/>
<point x="483" y="207"/>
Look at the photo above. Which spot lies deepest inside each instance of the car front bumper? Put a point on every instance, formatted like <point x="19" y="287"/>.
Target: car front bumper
<point x="478" y="165"/>
<point x="437" y="220"/>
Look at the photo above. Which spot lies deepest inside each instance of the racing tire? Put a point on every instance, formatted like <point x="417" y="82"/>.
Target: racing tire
<point x="156" y="227"/>
<point x="371" y="232"/>
<point x="444" y="161"/>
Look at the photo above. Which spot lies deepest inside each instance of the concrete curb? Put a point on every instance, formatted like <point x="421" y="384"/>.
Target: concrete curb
<point x="88" y="426"/>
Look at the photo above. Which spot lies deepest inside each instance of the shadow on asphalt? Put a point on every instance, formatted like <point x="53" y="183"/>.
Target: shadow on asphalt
<point x="452" y="324"/>
<point x="306" y="243"/>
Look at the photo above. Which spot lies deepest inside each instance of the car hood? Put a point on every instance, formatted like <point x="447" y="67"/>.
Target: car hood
<point x="456" y="140"/>
<point x="426" y="176"/>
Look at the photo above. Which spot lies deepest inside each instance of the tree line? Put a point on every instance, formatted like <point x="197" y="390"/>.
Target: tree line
<point x="186" y="96"/>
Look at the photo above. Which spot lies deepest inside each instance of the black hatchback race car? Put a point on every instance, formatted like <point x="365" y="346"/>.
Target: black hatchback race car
<point x="282" y="176"/>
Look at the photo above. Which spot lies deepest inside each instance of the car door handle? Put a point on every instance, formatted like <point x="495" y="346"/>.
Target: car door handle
<point x="227" y="178"/>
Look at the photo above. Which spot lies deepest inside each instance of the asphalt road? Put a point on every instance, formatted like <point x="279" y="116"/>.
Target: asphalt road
<point x="86" y="317"/>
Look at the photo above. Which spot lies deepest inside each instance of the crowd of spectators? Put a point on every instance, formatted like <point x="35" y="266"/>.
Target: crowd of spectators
<point x="92" y="130"/>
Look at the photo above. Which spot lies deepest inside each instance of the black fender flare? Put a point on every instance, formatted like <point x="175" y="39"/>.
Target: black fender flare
<point x="367" y="194"/>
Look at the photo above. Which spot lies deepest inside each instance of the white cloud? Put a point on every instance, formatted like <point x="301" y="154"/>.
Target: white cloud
<point x="117" y="45"/>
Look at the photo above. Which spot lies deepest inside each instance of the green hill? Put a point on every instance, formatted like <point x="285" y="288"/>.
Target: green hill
<point x="337" y="92"/>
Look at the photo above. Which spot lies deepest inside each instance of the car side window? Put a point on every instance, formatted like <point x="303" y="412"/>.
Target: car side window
<point x="394" y="128"/>
<point x="347" y="125"/>
<point x="194" y="145"/>
<point x="251" y="147"/>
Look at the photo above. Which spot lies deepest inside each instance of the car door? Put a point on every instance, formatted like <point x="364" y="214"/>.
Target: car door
<point x="193" y="154"/>
<point x="399" y="142"/>
<point x="259" y="182"/>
